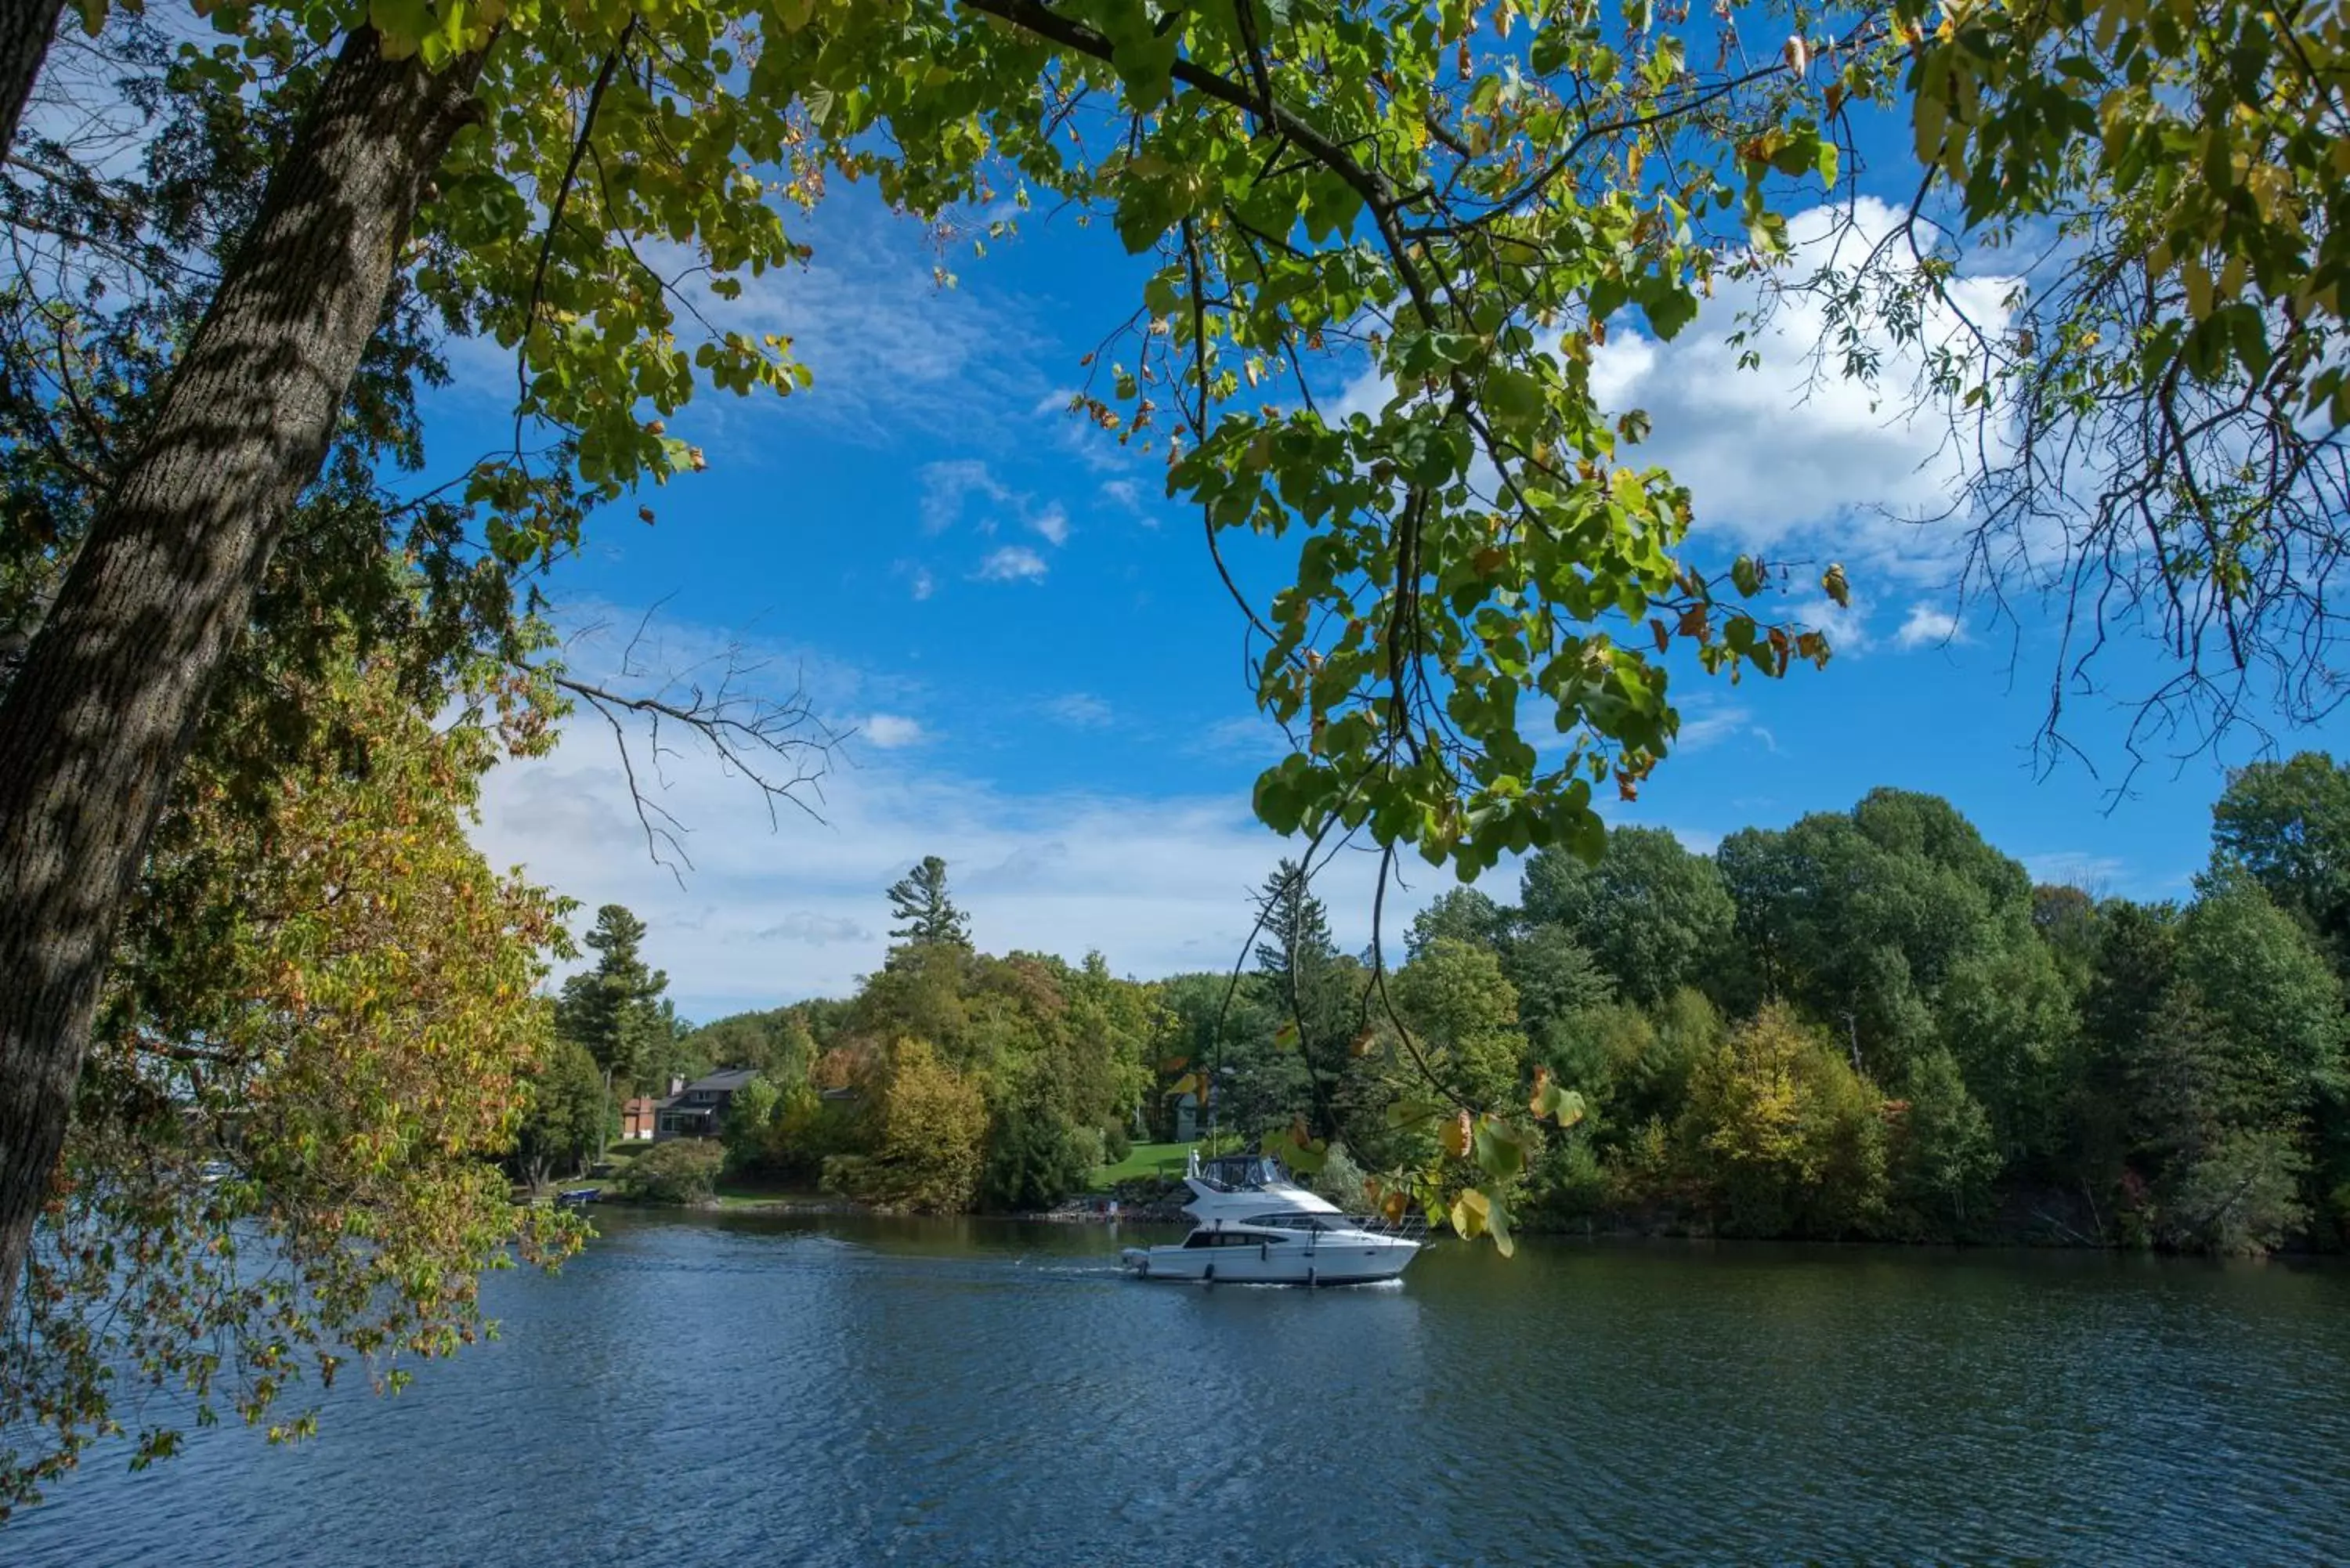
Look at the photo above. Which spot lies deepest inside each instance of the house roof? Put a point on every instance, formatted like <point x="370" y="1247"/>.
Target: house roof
<point x="723" y="1081"/>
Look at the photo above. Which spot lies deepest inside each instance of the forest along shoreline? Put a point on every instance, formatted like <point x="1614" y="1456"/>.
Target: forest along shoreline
<point x="1868" y="1025"/>
<point x="2044" y="1221"/>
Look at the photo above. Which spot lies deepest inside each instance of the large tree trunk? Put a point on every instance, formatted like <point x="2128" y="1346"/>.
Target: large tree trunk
<point x="98" y="718"/>
<point x="25" y="28"/>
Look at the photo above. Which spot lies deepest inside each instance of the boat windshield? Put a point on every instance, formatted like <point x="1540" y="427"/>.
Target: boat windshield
<point x="1241" y="1172"/>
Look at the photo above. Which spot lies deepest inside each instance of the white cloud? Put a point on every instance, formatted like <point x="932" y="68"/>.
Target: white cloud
<point x="1081" y="710"/>
<point x="1053" y="523"/>
<point x="1704" y="725"/>
<point x="1125" y="494"/>
<point x="891" y="349"/>
<point x="1790" y="454"/>
<point x="1847" y="625"/>
<point x="890" y="731"/>
<point x="2078" y="868"/>
<point x="806" y="926"/>
<point x="924" y="585"/>
<point x="1013" y="562"/>
<point x="1788" y="457"/>
<point x="948" y="487"/>
<point x="768" y="914"/>
<point x="1247" y="737"/>
<point x="1929" y="624"/>
<point x="886" y="342"/>
<point x="646" y="654"/>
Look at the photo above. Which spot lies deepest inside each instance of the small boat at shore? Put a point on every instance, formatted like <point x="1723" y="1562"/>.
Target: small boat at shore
<point x="1255" y="1226"/>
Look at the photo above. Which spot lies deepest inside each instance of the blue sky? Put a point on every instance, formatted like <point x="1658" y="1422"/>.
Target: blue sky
<point x="1047" y="676"/>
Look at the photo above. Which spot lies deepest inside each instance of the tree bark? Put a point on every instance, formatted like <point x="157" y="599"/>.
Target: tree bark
<point x="25" y="28"/>
<point x="98" y="719"/>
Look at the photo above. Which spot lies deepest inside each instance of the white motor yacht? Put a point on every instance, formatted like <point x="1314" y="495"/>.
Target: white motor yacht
<point x="1258" y="1227"/>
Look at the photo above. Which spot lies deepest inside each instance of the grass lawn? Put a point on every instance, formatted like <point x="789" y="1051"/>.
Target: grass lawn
<point x="621" y="1156"/>
<point x="1146" y="1159"/>
<point x="742" y="1194"/>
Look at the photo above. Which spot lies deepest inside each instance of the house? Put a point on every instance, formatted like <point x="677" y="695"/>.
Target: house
<point x="698" y="1108"/>
<point x="637" y="1116"/>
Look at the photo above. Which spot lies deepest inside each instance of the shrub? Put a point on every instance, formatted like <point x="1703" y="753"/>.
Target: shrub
<point x="1787" y="1138"/>
<point x="1034" y="1159"/>
<point x="2241" y="1196"/>
<point x="1569" y="1184"/>
<point x="683" y="1171"/>
<point x="749" y="1132"/>
<point x="1116" y="1142"/>
<point x="807" y="1130"/>
<point x="1944" y="1158"/>
<point x="1340" y="1180"/>
<point x="931" y="1125"/>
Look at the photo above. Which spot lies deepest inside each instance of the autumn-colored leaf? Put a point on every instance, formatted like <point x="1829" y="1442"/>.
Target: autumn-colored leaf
<point x="1455" y="1135"/>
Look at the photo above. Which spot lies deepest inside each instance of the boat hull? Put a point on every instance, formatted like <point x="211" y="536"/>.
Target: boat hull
<point x="1344" y="1263"/>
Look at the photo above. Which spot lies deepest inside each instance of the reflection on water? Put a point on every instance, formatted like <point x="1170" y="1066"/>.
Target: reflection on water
<point x="859" y="1391"/>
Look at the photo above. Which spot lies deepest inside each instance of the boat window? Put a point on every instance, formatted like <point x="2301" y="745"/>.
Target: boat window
<point x="1291" y="1219"/>
<point x="1232" y="1239"/>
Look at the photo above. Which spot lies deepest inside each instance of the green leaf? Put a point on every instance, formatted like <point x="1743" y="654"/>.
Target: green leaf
<point x="1669" y="309"/>
<point x="1145" y="62"/>
<point x="1411" y="1113"/>
<point x="1500" y="1147"/>
<point x="1497" y="1224"/>
<point x="1331" y="207"/>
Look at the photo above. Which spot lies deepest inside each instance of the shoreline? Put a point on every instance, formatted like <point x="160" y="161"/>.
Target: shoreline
<point x="1094" y="1211"/>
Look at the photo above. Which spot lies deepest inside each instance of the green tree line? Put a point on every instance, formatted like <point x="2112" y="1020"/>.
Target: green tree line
<point x="1870" y="1024"/>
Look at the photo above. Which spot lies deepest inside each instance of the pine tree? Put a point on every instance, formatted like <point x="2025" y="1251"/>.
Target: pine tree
<point x="928" y="917"/>
<point x="612" y="1008"/>
<point x="1305" y="980"/>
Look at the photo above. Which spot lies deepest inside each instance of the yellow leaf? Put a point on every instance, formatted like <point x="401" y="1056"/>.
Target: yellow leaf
<point x="1470" y="1212"/>
<point x="1454" y="1135"/>
<point x="2198" y="279"/>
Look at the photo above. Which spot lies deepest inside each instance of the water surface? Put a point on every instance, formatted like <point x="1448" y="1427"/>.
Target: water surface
<point x="848" y="1392"/>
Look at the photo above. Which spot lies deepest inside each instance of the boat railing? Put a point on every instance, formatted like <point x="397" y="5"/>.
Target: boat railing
<point x="1411" y="1226"/>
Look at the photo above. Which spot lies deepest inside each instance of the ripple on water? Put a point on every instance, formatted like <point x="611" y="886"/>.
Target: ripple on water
<point x="855" y="1391"/>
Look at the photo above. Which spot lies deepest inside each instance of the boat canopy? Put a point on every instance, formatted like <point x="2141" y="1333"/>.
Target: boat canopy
<point x="1238" y="1172"/>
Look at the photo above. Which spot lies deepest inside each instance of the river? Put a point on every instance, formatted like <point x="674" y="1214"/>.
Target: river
<point x="858" y="1391"/>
